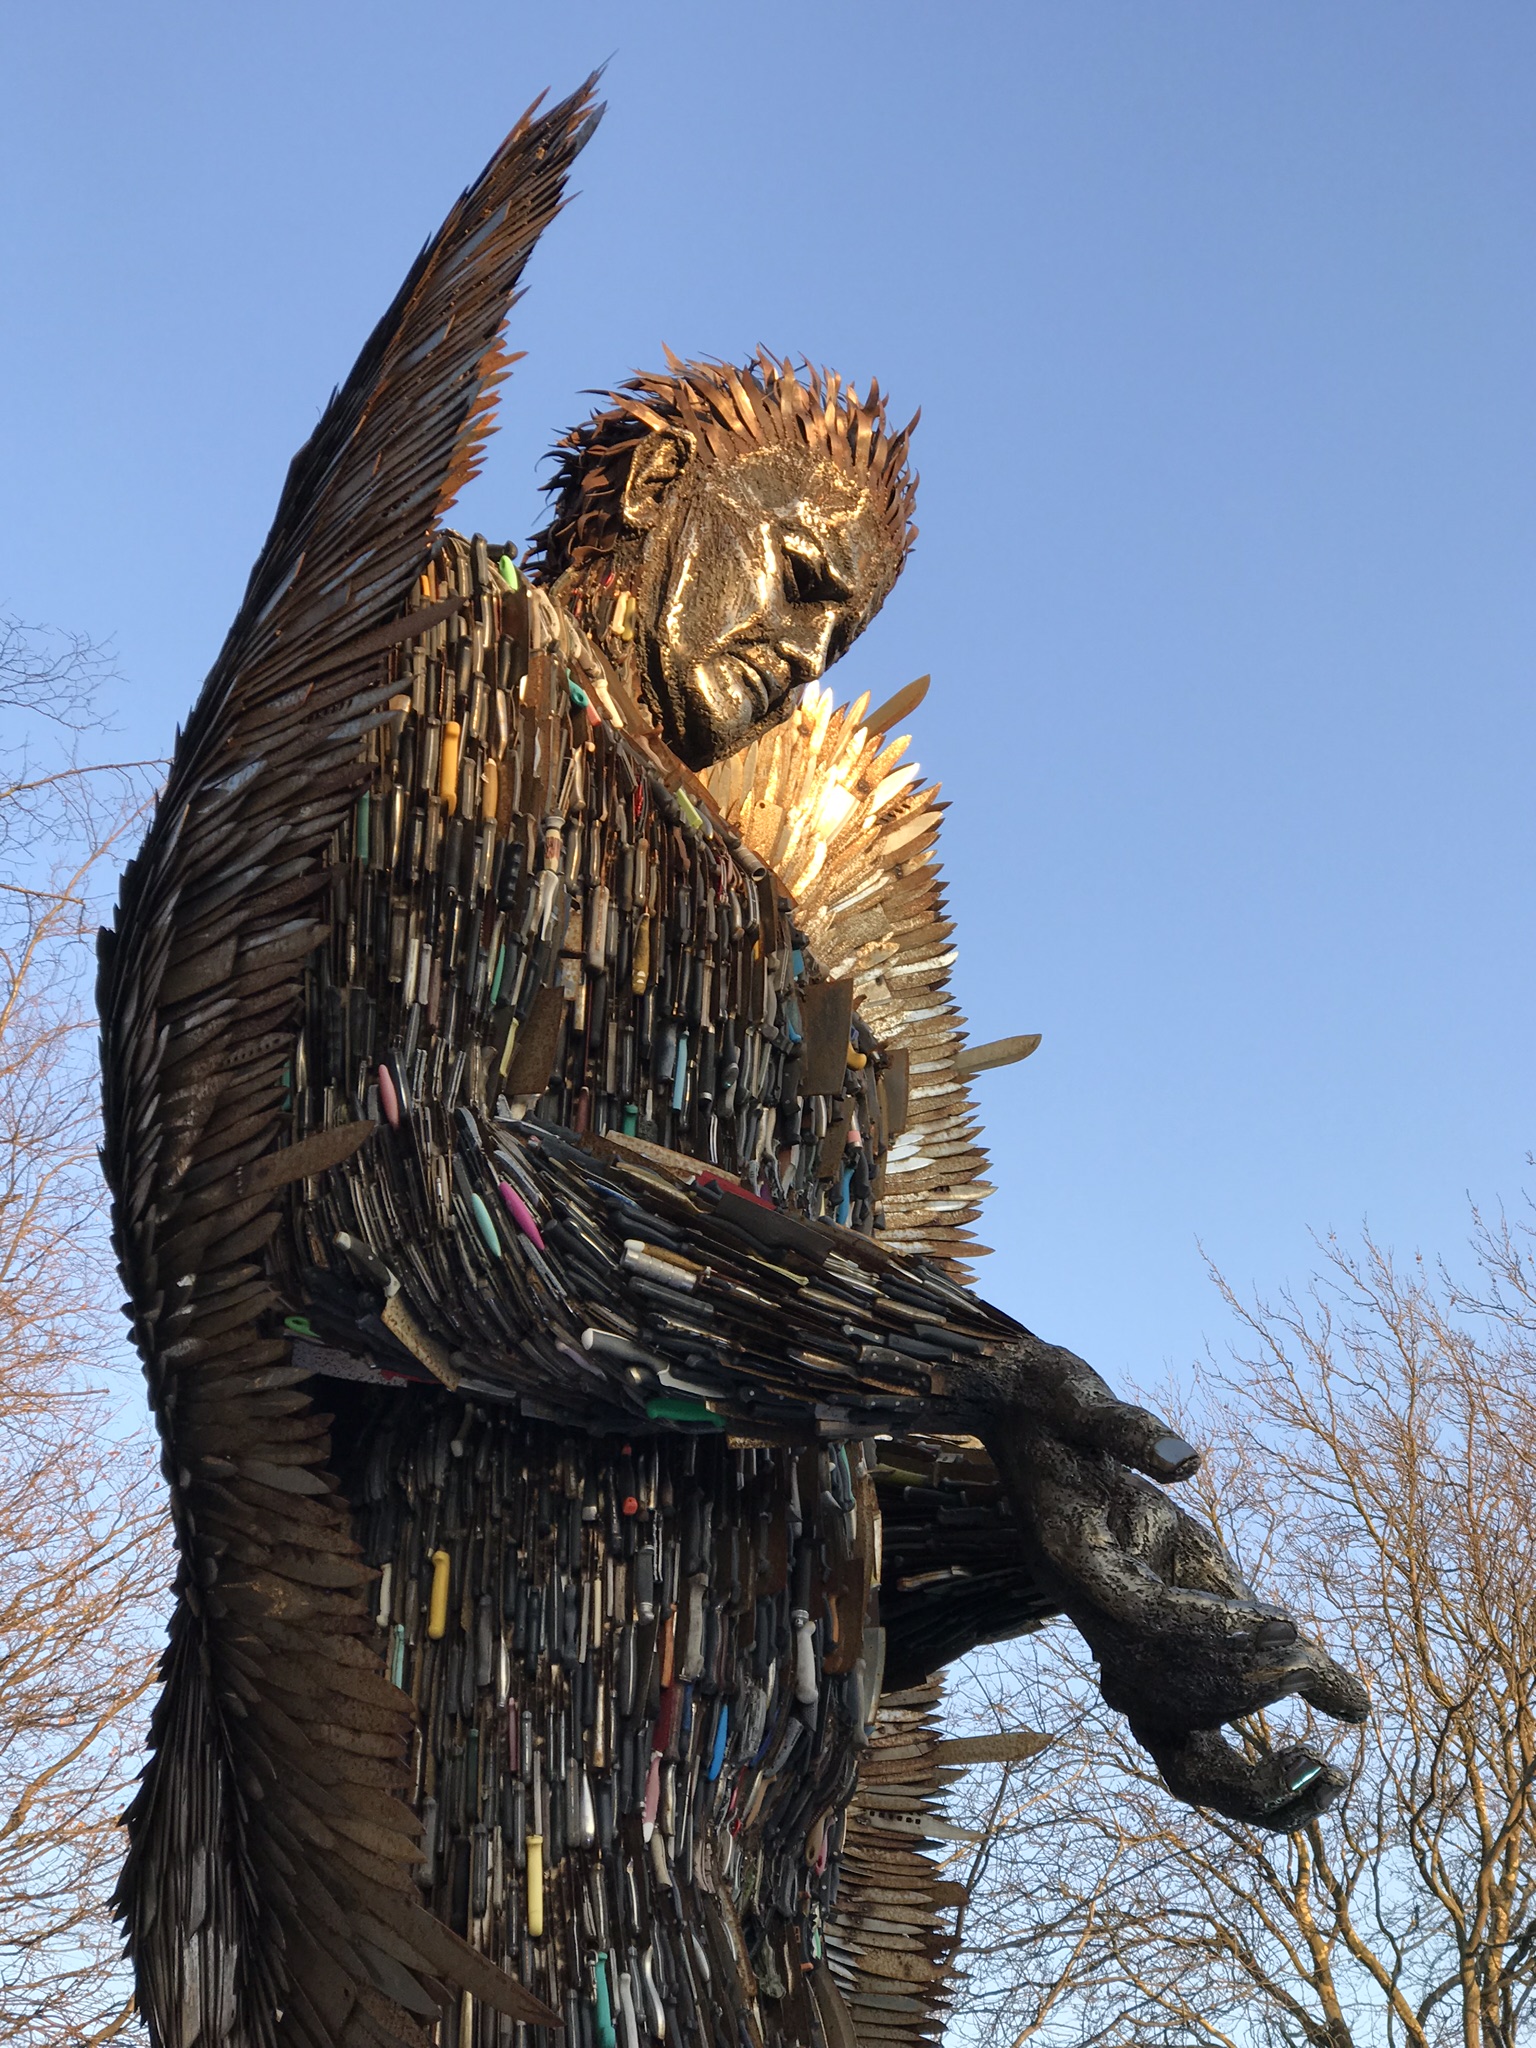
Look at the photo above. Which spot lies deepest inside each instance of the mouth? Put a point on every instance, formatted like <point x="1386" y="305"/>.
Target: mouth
<point x="715" y="705"/>
<point x="733" y="692"/>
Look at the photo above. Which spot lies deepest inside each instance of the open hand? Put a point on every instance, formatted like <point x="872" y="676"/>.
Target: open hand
<point x="1182" y="1642"/>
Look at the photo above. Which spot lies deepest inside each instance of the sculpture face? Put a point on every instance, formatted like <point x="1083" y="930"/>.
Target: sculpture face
<point x="753" y="575"/>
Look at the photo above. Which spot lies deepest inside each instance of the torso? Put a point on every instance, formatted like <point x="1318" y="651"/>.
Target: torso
<point x="658" y="1656"/>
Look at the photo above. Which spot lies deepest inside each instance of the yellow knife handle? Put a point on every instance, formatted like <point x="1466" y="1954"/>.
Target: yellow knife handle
<point x="535" y="1846"/>
<point x="437" y="1609"/>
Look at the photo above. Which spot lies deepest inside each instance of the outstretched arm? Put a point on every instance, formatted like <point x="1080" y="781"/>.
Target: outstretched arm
<point x="627" y="1289"/>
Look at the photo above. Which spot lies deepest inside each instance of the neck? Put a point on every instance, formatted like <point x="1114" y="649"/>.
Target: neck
<point x="601" y="596"/>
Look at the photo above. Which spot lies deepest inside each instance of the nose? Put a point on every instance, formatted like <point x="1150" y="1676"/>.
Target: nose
<point x="805" y="641"/>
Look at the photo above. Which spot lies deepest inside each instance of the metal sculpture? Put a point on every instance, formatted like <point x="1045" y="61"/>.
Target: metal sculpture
<point x="542" y="1157"/>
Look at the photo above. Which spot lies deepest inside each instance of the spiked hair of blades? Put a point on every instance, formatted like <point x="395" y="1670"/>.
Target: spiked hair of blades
<point x="724" y="410"/>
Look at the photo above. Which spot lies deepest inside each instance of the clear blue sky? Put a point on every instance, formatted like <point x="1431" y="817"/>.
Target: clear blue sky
<point x="1222" y="317"/>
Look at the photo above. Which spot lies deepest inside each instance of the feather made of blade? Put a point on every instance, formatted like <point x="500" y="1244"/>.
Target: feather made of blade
<point x="233" y="1945"/>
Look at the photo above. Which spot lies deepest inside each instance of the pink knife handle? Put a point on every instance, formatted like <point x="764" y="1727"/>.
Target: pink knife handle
<point x="522" y="1215"/>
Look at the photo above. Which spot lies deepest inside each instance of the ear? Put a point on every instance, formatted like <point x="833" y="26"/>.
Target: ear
<point x="658" y="461"/>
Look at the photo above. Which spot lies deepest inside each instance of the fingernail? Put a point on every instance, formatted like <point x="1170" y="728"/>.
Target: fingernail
<point x="1173" y="1452"/>
<point x="1307" y="1775"/>
<point x="1269" y="1633"/>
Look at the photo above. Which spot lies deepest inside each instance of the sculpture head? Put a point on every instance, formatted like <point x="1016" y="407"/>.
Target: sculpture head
<point x="729" y="531"/>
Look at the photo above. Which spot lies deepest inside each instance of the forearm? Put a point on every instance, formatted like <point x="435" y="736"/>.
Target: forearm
<point x="569" y="1280"/>
<point x="557" y="1275"/>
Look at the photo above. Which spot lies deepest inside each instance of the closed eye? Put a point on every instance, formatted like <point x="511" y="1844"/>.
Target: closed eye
<point x="807" y="579"/>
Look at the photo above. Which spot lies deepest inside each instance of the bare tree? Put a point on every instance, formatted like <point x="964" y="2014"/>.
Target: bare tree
<point x="1373" y="1458"/>
<point x="78" y="1517"/>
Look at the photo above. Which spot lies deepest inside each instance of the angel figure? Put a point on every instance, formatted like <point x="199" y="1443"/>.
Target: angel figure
<point x="542" y="1159"/>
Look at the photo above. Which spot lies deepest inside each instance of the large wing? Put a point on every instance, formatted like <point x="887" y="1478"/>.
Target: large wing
<point x="274" y="1735"/>
<point x="828" y="802"/>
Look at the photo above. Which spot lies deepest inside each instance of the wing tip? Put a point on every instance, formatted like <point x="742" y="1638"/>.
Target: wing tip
<point x="571" y="120"/>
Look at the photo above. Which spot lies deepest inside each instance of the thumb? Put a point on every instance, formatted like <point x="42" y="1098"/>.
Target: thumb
<point x="1088" y="1413"/>
<point x="1335" y="1691"/>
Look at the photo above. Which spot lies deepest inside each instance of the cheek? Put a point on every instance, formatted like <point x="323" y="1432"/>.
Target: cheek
<point x="712" y="579"/>
<point x="671" y="570"/>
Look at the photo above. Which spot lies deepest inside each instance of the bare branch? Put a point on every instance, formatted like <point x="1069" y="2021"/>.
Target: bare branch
<point x="80" y="1521"/>
<point x="1370" y="1459"/>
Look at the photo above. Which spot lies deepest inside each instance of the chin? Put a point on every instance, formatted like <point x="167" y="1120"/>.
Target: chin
<point x="712" y="708"/>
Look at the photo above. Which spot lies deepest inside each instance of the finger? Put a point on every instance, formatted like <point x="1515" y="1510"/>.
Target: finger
<point x="1302" y="1671"/>
<point x="1335" y="1691"/>
<point x="1085" y="1409"/>
<point x="1315" y="1785"/>
<point x="1279" y="1792"/>
<point x="1293" y="1787"/>
<point x="1145" y="1441"/>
